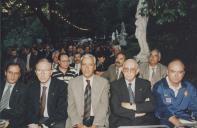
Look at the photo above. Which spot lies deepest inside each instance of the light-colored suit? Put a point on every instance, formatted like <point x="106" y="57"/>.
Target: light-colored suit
<point x="160" y="73"/>
<point x="99" y="98"/>
<point x="111" y="74"/>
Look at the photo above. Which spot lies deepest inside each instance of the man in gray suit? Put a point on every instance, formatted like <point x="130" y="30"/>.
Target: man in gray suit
<point x="114" y="72"/>
<point x="88" y="97"/>
<point x="153" y="70"/>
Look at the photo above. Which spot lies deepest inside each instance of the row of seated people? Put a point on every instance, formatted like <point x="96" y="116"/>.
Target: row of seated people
<point x="89" y="100"/>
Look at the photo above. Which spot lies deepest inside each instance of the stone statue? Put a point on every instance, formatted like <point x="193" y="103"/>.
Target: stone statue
<point x="140" y="33"/>
<point x="122" y="36"/>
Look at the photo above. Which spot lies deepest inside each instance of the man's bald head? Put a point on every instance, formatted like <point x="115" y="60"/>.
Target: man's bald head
<point x="176" y="72"/>
<point x="176" y="62"/>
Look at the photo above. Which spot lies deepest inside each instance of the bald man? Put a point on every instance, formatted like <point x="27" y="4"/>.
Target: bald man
<point x="131" y="99"/>
<point x="175" y="97"/>
<point x="47" y="99"/>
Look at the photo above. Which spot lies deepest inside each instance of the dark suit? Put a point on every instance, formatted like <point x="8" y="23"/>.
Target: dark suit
<point x="56" y="103"/>
<point x="143" y="99"/>
<point x="15" y="114"/>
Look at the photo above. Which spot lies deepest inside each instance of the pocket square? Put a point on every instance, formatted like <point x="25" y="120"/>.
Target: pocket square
<point x="147" y="99"/>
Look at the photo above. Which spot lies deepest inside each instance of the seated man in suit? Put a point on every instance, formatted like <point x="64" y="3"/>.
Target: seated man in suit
<point x="88" y="97"/>
<point x="12" y="97"/>
<point x="175" y="97"/>
<point x="131" y="100"/>
<point x="153" y="70"/>
<point x="114" y="71"/>
<point x="47" y="99"/>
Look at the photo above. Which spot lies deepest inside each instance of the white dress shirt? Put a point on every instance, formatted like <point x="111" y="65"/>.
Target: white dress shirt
<point x="175" y="89"/>
<point x="132" y="85"/>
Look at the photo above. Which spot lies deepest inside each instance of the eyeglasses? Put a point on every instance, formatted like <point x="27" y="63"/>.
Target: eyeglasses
<point x="43" y="71"/>
<point x="128" y="70"/>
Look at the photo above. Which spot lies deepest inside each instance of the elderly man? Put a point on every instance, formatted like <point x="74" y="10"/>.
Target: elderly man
<point x="153" y="70"/>
<point x="175" y="97"/>
<point x="131" y="99"/>
<point x="114" y="71"/>
<point x="88" y="97"/>
<point x="46" y="99"/>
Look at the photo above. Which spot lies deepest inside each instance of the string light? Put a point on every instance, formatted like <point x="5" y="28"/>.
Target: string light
<point x="67" y="21"/>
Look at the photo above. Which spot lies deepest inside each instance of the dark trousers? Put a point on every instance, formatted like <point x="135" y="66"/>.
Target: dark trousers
<point x="88" y="122"/>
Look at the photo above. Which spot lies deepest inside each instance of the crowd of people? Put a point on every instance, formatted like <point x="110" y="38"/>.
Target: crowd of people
<point x="92" y="86"/>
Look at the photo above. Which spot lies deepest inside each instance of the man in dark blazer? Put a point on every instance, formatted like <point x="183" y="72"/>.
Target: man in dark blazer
<point x="12" y="97"/>
<point x="47" y="99"/>
<point x="131" y="99"/>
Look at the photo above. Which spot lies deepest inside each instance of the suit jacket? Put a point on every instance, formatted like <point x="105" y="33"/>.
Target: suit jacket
<point x="56" y="102"/>
<point x="160" y="73"/>
<point x="99" y="98"/>
<point x="144" y="104"/>
<point x="16" y="113"/>
<point x="111" y="74"/>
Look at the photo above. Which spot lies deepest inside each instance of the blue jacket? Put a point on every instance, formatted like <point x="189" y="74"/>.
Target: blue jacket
<point x="184" y="105"/>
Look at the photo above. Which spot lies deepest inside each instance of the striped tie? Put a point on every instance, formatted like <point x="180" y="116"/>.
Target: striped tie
<point x="87" y="100"/>
<point x="5" y="98"/>
<point x="131" y="94"/>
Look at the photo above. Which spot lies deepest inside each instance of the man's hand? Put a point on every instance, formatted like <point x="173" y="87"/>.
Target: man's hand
<point x="127" y="105"/>
<point x="80" y="126"/>
<point x="175" y="121"/>
<point x="34" y="126"/>
<point x="140" y="114"/>
<point x="93" y="126"/>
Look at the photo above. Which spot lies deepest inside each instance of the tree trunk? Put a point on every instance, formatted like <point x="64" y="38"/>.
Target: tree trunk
<point x="140" y="33"/>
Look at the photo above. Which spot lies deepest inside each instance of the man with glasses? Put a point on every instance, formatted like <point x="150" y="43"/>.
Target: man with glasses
<point x="47" y="99"/>
<point x="131" y="100"/>
<point x="64" y="72"/>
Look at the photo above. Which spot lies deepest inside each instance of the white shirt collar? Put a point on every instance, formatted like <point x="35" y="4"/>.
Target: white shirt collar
<point x="91" y="80"/>
<point x="175" y="89"/>
<point x="47" y="84"/>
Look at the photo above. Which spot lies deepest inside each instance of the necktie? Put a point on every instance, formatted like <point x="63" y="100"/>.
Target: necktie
<point x="131" y="94"/>
<point x="153" y="77"/>
<point x="5" y="98"/>
<point x="43" y="100"/>
<point x="117" y="73"/>
<point x="87" y="100"/>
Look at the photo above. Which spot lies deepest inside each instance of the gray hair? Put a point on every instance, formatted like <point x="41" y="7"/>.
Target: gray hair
<point x="133" y="62"/>
<point x="88" y="56"/>
<point x="157" y="50"/>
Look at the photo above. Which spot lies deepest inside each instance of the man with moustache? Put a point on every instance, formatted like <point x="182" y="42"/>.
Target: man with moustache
<point x="175" y="98"/>
<point x="114" y="72"/>
<point x="46" y="99"/>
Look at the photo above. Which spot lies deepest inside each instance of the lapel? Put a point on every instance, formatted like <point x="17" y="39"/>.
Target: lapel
<point x="1" y="89"/>
<point x="14" y="94"/>
<point x="146" y="72"/>
<point x="138" y="90"/>
<point x="95" y="92"/>
<point x="124" y="90"/>
<point x="79" y="94"/>
<point x="51" y="94"/>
